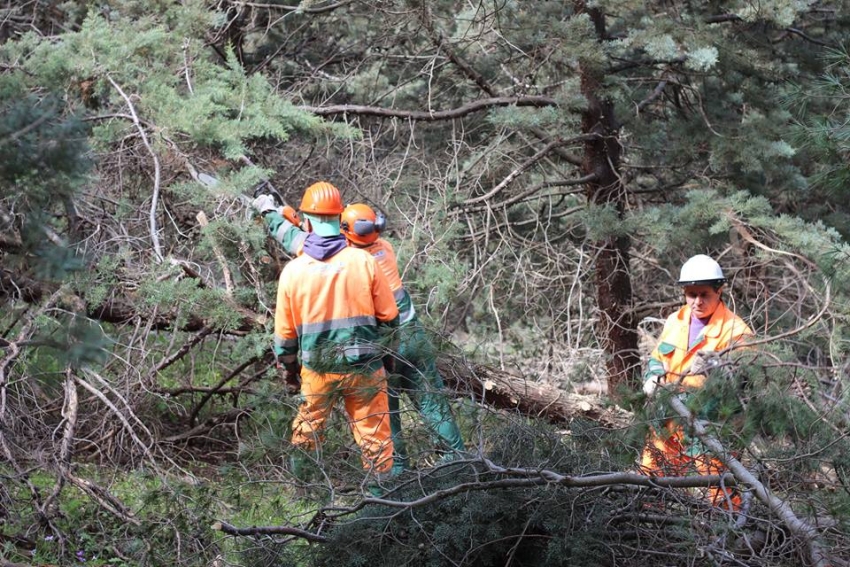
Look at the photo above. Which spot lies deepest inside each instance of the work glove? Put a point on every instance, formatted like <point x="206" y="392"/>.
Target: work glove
<point x="650" y="385"/>
<point x="704" y="361"/>
<point x="389" y="363"/>
<point x="291" y="376"/>
<point x="263" y="203"/>
<point x="291" y="215"/>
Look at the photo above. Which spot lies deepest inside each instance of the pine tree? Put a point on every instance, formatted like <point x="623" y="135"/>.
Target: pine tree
<point x="546" y="168"/>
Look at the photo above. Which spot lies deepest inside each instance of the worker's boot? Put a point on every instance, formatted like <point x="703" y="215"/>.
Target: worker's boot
<point x="378" y="487"/>
<point x="400" y="464"/>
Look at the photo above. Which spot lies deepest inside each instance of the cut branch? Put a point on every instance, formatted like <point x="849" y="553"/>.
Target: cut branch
<point x="800" y="528"/>
<point x="506" y="391"/>
<point x="512" y="478"/>
<point x="268" y="530"/>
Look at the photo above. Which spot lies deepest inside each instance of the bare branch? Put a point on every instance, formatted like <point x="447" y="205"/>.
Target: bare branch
<point x="157" y="248"/>
<point x="268" y="530"/>
<point x="309" y="10"/>
<point x="782" y="509"/>
<point x="431" y="116"/>
<point x="527" y="164"/>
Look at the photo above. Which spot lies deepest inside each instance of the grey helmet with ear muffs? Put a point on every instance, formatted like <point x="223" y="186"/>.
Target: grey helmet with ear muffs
<point x="361" y="225"/>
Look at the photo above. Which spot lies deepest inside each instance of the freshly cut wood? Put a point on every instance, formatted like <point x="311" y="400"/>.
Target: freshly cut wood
<point x="508" y="391"/>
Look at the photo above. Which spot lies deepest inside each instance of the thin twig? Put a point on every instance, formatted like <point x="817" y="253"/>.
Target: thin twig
<point x="157" y="178"/>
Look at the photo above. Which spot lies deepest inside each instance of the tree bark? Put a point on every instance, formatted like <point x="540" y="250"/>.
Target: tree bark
<point x="506" y="391"/>
<point x="601" y="159"/>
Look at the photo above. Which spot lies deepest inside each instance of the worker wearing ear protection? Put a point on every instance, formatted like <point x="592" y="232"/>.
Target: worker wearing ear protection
<point x="416" y="371"/>
<point x="333" y="307"/>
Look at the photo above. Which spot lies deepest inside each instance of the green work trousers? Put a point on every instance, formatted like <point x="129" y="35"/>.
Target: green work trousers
<point x="416" y="375"/>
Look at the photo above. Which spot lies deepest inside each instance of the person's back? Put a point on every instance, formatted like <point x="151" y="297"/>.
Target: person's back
<point x="384" y="254"/>
<point x="416" y="372"/>
<point x="331" y="301"/>
<point x="336" y="305"/>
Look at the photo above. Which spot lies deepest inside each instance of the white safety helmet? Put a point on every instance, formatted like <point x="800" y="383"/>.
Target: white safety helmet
<point x="701" y="270"/>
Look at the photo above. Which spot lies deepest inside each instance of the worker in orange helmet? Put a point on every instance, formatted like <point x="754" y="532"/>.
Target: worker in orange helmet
<point x="703" y="325"/>
<point x="416" y="371"/>
<point x="332" y="304"/>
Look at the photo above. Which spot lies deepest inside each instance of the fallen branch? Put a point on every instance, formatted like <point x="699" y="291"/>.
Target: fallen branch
<point x="511" y="478"/>
<point x="103" y="497"/>
<point x="431" y="116"/>
<point x="157" y="170"/>
<point x="66" y="448"/>
<point x="800" y="528"/>
<point x="268" y="530"/>
<point x="229" y="416"/>
<point x="507" y="391"/>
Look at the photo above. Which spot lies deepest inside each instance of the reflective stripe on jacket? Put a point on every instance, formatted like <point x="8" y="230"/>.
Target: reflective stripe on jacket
<point x="673" y="356"/>
<point x="330" y="311"/>
<point x="287" y="234"/>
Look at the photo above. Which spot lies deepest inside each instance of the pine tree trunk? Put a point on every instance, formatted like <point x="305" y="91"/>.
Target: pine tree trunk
<point x="613" y="281"/>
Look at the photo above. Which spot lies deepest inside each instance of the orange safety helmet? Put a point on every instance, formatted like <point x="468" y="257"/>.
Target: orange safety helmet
<point x="321" y="198"/>
<point x="360" y="224"/>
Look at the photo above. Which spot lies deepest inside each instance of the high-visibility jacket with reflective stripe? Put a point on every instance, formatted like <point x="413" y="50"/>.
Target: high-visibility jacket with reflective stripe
<point x="383" y="252"/>
<point x="287" y="234"/>
<point x="673" y="356"/>
<point x="330" y="310"/>
<point x="292" y="239"/>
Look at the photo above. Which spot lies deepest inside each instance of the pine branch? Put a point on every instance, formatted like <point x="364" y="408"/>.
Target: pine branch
<point x="818" y="556"/>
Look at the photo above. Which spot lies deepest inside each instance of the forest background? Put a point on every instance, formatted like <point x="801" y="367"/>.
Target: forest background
<point x="546" y="167"/>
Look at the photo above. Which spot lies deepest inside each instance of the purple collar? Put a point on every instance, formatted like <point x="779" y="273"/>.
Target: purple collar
<point x="324" y="247"/>
<point x="696" y="328"/>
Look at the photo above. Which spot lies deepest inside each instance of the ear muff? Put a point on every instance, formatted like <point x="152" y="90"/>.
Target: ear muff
<point x="367" y="227"/>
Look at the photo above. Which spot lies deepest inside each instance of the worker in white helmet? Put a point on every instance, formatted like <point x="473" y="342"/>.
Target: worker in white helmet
<point x="704" y="324"/>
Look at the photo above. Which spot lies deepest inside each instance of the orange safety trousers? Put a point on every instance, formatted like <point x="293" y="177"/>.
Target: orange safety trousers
<point x="667" y="456"/>
<point x="365" y="399"/>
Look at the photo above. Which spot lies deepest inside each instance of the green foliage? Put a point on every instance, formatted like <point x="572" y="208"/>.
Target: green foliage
<point x="603" y="222"/>
<point x="43" y="151"/>
<point x="214" y="105"/>
<point x="473" y="528"/>
<point x="483" y="527"/>
<point x="707" y="153"/>
<point x="92" y="535"/>
<point x="43" y="162"/>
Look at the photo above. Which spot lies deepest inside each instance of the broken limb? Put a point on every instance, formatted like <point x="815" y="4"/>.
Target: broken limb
<point x="818" y="557"/>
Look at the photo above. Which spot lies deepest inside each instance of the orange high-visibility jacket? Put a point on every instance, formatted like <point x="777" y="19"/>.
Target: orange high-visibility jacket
<point x="673" y="356"/>
<point x="384" y="254"/>
<point x="292" y="239"/>
<point x="330" y="310"/>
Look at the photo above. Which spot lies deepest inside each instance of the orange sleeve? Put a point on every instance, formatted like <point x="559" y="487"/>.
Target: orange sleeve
<point x="386" y="310"/>
<point x="285" y="335"/>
